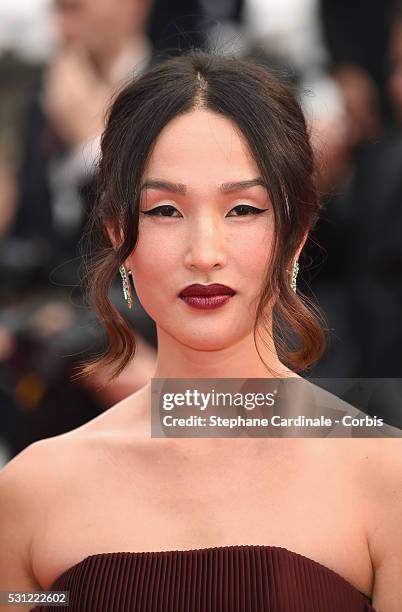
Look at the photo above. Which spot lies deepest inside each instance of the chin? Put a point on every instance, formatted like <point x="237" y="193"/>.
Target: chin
<point x="205" y="344"/>
<point x="212" y="341"/>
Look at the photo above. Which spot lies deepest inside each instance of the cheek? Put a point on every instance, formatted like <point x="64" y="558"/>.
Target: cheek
<point x="251" y="249"/>
<point x="156" y="255"/>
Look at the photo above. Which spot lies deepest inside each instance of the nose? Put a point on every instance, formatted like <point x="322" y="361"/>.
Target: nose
<point x="206" y="244"/>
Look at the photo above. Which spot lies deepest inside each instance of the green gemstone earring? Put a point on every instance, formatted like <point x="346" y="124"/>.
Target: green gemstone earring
<point x="126" y="286"/>
<point x="294" y="275"/>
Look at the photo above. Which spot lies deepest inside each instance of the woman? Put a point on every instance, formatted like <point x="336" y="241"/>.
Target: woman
<point x="206" y="178"/>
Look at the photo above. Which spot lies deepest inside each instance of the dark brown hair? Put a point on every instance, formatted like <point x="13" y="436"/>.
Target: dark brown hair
<point x="270" y="119"/>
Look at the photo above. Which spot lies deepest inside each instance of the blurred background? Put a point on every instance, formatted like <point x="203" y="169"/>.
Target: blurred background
<point x="60" y="63"/>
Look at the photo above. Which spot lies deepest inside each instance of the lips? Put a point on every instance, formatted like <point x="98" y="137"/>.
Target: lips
<point x="197" y="290"/>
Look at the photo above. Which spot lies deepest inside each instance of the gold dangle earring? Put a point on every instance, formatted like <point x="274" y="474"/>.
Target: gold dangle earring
<point x="126" y="286"/>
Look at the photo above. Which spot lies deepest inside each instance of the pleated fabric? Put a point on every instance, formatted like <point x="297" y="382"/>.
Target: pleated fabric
<point x="221" y="579"/>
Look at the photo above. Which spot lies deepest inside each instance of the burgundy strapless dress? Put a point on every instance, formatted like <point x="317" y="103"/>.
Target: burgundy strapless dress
<point x="220" y="579"/>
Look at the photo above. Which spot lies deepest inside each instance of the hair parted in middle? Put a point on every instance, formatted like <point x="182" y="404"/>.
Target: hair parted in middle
<point x="269" y="118"/>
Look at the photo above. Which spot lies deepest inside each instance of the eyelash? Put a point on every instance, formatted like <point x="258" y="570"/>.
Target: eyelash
<point x="154" y="211"/>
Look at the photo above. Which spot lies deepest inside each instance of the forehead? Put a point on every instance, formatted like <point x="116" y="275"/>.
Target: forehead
<point x="201" y="146"/>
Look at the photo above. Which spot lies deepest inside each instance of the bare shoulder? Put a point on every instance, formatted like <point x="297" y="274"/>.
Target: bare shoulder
<point x="384" y="463"/>
<point x="385" y="535"/>
<point x="370" y="467"/>
<point x="25" y="480"/>
<point x="53" y="460"/>
<point x="378" y="474"/>
<point x="25" y="483"/>
<point x="36" y="485"/>
<point x="31" y="465"/>
<point x="386" y="474"/>
<point x="377" y="463"/>
<point x="58" y="455"/>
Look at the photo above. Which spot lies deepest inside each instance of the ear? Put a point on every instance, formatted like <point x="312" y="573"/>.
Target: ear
<point x="299" y="250"/>
<point x="116" y="240"/>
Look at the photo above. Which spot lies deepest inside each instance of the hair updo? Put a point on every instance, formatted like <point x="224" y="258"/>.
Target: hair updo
<point x="271" y="120"/>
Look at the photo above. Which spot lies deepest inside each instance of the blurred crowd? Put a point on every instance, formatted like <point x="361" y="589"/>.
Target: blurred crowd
<point x="343" y="59"/>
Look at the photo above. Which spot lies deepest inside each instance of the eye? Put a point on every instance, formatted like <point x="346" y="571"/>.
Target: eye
<point x="246" y="210"/>
<point x="161" y="211"/>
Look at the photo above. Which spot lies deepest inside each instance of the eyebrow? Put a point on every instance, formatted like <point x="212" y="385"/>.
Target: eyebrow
<point x="181" y="189"/>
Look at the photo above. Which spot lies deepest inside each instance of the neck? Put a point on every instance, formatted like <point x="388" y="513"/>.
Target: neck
<point x="240" y="360"/>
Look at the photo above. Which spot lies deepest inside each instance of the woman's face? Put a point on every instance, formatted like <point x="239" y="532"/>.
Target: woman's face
<point x="199" y="223"/>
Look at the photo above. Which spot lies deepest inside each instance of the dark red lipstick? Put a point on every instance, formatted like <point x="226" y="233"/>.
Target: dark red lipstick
<point x="206" y="297"/>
